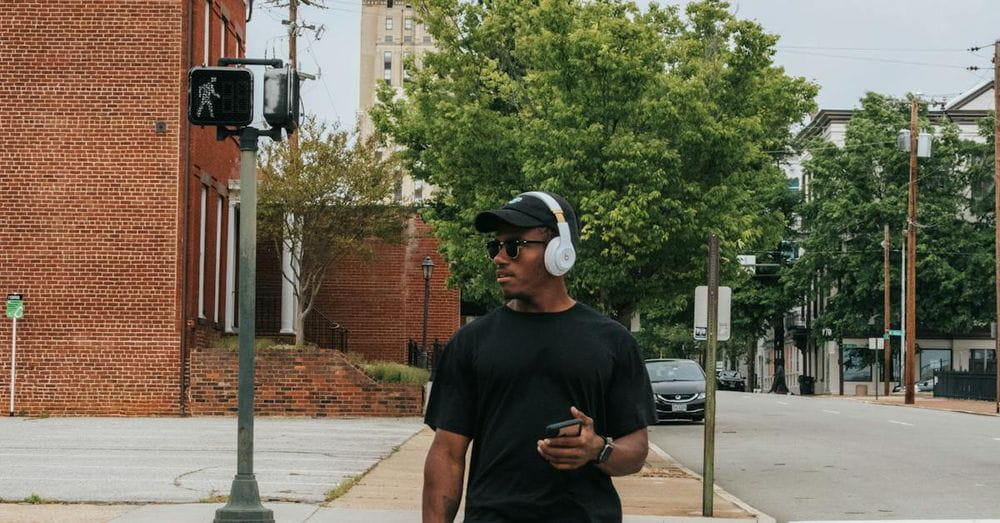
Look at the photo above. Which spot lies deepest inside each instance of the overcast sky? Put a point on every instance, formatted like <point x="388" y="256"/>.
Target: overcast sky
<point x="848" y="47"/>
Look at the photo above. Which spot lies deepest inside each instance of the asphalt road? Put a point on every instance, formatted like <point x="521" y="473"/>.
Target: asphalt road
<point x="812" y="458"/>
<point x="186" y="459"/>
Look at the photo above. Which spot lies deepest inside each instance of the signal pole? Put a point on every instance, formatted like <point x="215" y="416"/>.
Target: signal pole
<point x="293" y="52"/>
<point x="911" y="262"/>
<point x="887" y="347"/>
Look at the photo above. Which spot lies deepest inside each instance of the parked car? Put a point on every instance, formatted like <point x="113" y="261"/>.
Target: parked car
<point x="926" y="385"/>
<point x="730" y="380"/>
<point x="678" y="388"/>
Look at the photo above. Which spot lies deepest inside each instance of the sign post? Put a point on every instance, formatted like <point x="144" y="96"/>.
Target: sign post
<point x="15" y="310"/>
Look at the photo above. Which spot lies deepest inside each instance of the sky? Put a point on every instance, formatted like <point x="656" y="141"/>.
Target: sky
<point x="848" y="47"/>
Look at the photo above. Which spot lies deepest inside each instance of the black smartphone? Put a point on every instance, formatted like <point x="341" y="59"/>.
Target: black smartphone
<point x="570" y="427"/>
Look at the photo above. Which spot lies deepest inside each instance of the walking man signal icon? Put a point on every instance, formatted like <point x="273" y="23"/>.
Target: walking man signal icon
<point x="206" y="92"/>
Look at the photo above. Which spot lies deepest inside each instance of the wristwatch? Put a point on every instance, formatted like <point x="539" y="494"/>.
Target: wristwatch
<point x="605" y="454"/>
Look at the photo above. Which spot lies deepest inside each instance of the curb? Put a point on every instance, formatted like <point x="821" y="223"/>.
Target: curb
<point x="759" y="514"/>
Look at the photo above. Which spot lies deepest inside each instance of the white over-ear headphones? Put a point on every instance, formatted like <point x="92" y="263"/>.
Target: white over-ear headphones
<point x="559" y="253"/>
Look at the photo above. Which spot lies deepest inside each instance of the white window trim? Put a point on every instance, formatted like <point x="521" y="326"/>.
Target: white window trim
<point x="208" y="26"/>
<point x="231" y="269"/>
<point x="222" y="38"/>
<point x="218" y="253"/>
<point x="201" y="254"/>
<point x="388" y="23"/>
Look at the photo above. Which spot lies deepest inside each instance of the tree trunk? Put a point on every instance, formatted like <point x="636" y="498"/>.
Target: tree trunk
<point x="300" y="324"/>
<point x="751" y="382"/>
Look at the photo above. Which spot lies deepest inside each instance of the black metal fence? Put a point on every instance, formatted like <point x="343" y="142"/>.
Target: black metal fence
<point x="325" y="332"/>
<point x="413" y="354"/>
<point x="966" y="385"/>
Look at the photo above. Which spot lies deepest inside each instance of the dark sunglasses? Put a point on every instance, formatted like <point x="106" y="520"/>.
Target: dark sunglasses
<point x="511" y="247"/>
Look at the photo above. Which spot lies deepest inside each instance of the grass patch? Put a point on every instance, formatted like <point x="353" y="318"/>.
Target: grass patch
<point x="217" y="498"/>
<point x="389" y="372"/>
<point x="35" y="499"/>
<point x="261" y="343"/>
<point x="344" y="486"/>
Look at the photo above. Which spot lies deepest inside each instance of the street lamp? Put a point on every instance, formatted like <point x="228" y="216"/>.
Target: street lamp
<point x="428" y="267"/>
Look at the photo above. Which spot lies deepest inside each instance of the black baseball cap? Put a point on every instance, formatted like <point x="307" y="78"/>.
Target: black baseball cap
<point x="529" y="211"/>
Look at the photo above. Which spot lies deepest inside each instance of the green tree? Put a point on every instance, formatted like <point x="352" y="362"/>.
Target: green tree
<point x="323" y="201"/>
<point x="655" y="125"/>
<point x="857" y="189"/>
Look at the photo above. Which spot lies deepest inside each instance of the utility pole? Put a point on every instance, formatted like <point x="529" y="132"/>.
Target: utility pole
<point x="911" y="262"/>
<point x="293" y="51"/>
<point x="996" y="210"/>
<point x="887" y="346"/>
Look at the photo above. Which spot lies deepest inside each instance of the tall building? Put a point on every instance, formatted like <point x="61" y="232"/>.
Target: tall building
<point x="391" y="37"/>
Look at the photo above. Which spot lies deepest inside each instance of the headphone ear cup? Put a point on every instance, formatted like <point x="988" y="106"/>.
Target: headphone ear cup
<point x="558" y="259"/>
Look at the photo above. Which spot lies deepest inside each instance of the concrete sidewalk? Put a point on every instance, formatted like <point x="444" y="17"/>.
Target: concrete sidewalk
<point x="926" y="400"/>
<point x="390" y="492"/>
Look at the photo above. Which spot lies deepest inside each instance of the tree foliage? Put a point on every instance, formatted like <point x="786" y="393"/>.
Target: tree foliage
<point x="655" y="125"/>
<point x="327" y="199"/>
<point x="858" y="188"/>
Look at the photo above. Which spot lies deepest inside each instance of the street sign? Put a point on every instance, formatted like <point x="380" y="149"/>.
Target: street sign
<point x="701" y="313"/>
<point x="876" y="343"/>
<point x="895" y="332"/>
<point x="220" y="96"/>
<point x="15" y="306"/>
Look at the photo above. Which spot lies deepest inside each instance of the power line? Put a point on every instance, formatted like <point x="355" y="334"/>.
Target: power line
<point x="322" y="77"/>
<point x="873" y="59"/>
<point x="880" y="49"/>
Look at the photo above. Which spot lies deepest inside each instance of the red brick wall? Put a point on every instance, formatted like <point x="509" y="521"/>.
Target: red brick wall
<point x="381" y="301"/>
<point x="297" y="382"/>
<point x="93" y="219"/>
<point x="89" y="203"/>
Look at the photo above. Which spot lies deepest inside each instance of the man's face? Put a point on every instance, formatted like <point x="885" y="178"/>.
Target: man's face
<point x="522" y="276"/>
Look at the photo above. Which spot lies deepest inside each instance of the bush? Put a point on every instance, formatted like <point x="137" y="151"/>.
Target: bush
<point x="390" y="372"/>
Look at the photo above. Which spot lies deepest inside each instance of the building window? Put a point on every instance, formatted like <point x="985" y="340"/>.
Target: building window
<point x="983" y="360"/>
<point x="388" y="39"/>
<point x="427" y="39"/>
<point x="387" y="66"/>
<point x="397" y="191"/>
<point x="388" y="23"/>
<point x="408" y="23"/>
<point x="793" y="184"/>
<point x="932" y="360"/>
<point x="407" y="58"/>
<point x="201" y="253"/>
<point x="407" y="39"/>
<point x="208" y="30"/>
<point x="855" y="367"/>
<point x="418" y="191"/>
<point x="218" y="253"/>
<point x="222" y="37"/>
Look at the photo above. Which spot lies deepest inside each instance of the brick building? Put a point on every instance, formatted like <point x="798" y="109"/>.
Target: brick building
<point x="117" y="220"/>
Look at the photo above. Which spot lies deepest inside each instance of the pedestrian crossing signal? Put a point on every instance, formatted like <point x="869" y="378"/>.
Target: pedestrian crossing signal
<point x="220" y="96"/>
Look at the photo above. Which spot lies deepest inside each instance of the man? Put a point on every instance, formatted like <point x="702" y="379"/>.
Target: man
<point x="541" y="358"/>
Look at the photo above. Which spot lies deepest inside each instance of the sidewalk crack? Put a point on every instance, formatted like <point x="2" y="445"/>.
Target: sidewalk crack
<point x="177" y="480"/>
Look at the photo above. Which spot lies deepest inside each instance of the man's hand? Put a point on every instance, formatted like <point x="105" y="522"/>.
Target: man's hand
<point x="573" y="452"/>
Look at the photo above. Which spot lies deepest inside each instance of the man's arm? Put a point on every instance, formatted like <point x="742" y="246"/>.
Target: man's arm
<point x="568" y="453"/>
<point x="444" y="471"/>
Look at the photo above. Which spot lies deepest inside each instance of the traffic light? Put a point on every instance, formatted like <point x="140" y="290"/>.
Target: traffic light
<point x="220" y="96"/>
<point x="281" y="98"/>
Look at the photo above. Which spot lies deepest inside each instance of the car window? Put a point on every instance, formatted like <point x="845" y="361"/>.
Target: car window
<point x="674" y="371"/>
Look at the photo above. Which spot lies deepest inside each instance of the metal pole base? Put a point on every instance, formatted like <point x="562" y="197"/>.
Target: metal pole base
<point x="244" y="502"/>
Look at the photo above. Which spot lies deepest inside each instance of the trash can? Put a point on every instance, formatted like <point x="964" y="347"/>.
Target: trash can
<point x="807" y="385"/>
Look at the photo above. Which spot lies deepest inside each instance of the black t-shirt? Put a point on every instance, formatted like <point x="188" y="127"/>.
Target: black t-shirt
<point x="505" y="376"/>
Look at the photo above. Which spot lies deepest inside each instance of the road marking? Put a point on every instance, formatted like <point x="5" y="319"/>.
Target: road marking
<point x="830" y="411"/>
<point x="781" y="403"/>
<point x="900" y="423"/>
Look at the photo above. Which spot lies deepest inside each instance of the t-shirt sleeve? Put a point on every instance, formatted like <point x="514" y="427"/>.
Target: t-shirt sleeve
<point x="630" y="397"/>
<point x="452" y="405"/>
